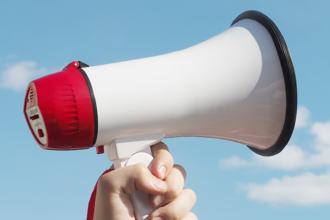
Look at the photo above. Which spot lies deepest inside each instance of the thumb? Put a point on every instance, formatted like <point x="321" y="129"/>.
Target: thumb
<point x="129" y="179"/>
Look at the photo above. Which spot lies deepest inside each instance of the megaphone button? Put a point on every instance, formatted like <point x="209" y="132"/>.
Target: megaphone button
<point x="40" y="133"/>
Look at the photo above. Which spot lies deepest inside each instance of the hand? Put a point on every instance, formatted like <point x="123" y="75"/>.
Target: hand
<point x="164" y="184"/>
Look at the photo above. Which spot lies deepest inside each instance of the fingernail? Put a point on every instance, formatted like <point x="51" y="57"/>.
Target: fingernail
<point x="158" y="183"/>
<point x="159" y="199"/>
<point x="162" y="172"/>
<point x="158" y="218"/>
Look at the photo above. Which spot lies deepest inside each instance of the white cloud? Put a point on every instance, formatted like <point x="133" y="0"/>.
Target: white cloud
<point x="292" y="157"/>
<point x="302" y="119"/>
<point x="322" y="133"/>
<point x="234" y="161"/>
<point x="18" y="76"/>
<point x="306" y="189"/>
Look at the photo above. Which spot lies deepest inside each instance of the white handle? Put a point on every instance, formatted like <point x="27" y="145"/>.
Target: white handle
<point x="133" y="150"/>
<point x="140" y="201"/>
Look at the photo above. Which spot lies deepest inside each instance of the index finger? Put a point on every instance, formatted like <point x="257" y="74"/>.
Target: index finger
<point x="163" y="160"/>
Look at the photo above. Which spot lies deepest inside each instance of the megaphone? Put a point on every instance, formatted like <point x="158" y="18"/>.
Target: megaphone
<point x="239" y="86"/>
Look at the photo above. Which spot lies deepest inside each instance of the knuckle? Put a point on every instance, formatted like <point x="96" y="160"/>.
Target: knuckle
<point x="105" y="182"/>
<point x="193" y="216"/>
<point x="191" y="194"/>
<point x="173" y="192"/>
<point x="181" y="169"/>
<point x="139" y="170"/>
<point x="172" y="214"/>
<point x="135" y="177"/>
<point x="176" y="214"/>
<point x="170" y="160"/>
<point x="161" y="145"/>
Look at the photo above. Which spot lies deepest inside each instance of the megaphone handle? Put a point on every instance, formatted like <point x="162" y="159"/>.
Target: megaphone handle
<point x="140" y="201"/>
<point x="121" y="149"/>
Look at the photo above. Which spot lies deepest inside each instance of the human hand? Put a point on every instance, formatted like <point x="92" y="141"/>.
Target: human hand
<point x="164" y="184"/>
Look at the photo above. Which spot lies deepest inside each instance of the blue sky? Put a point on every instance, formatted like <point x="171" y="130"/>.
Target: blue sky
<point x="41" y="37"/>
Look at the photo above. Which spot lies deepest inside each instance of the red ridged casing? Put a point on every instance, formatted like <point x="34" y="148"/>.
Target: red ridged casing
<point x="65" y="103"/>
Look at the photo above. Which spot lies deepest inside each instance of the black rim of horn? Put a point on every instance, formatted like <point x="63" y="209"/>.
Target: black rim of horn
<point x="91" y="91"/>
<point x="289" y="79"/>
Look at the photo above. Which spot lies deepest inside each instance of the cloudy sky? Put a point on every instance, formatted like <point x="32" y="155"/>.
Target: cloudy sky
<point x="39" y="38"/>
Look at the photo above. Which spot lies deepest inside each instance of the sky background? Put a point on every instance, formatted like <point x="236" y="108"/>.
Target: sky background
<point x="41" y="37"/>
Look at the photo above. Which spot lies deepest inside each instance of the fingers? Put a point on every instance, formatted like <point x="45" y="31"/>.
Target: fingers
<point x="174" y="176"/>
<point x="177" y="209"/>
<point x="114" y="190"/>
<point x="175" y="182"/>
<point x="163" y="160"/>
<point x="127" y="180"/>
<point x="137" y="177"/>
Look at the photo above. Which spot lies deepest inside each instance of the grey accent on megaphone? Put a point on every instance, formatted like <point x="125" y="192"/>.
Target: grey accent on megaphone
<point x="289" y="79"/>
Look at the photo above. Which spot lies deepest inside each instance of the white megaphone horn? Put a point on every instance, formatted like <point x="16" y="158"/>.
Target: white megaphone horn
<point x="239" y="86"/>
